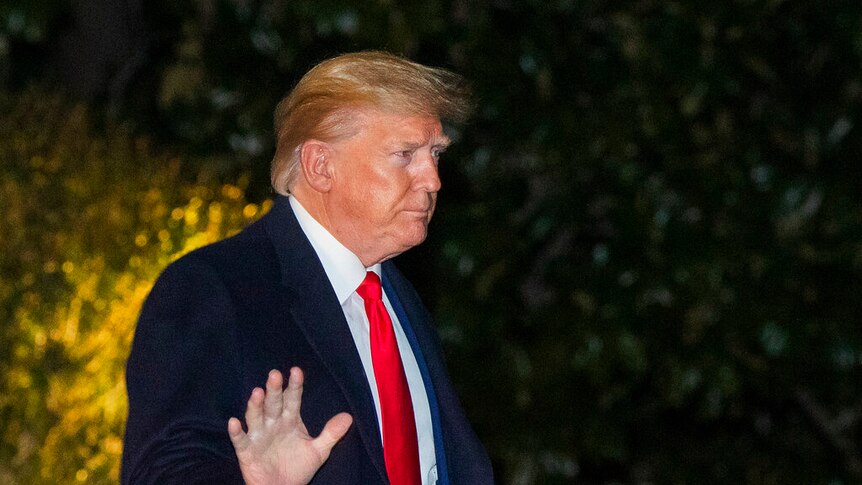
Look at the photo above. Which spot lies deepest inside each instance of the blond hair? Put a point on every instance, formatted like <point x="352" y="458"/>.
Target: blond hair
<point x="323" y="104"/>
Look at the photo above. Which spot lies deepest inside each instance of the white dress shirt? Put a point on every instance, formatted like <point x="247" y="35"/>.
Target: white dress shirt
<point x="345" y="272"/>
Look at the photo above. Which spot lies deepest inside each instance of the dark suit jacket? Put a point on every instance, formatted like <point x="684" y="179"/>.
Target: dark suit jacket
<point x="215" y="323"/>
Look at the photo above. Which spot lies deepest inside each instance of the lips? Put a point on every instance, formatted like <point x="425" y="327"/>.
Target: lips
<point x="421" y="213"/>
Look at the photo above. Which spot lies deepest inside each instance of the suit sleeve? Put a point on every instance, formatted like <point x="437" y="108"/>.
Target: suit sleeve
<point x="183" y="381"/>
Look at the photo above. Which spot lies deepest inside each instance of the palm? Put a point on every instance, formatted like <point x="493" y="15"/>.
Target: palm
<point x="277" y="447"/>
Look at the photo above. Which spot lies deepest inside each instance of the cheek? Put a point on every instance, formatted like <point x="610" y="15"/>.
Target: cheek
<point x="380" y="198"/>
<point x="392" y="195"/>
<point x="373" y="208"/>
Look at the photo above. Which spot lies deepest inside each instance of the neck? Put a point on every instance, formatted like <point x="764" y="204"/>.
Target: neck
<point x="315" y="204"/>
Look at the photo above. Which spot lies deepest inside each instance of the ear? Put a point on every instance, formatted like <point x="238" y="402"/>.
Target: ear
<point x="315" y="158"/>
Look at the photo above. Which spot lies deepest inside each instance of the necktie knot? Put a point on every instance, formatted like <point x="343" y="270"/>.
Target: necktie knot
<point x="370" y="287"/>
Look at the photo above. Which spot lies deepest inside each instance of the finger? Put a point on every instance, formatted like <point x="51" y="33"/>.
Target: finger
<point x="237" y="435"/>
<point x="254" y="410"/>
<point x="293" y="393"/>
<point x="272" y="403"/>
<point x="334" y="430"/>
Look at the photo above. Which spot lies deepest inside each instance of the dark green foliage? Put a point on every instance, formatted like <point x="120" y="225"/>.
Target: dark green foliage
<point x="648" y="255"/>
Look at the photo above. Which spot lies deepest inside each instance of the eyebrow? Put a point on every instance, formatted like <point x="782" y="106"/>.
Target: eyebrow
<point x="442" y="142"/>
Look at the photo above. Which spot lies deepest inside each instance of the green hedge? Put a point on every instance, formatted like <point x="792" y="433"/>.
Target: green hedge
<point x="88" y="221"/>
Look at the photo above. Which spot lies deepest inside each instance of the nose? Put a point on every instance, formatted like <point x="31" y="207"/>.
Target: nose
<point x="427" y="176"/>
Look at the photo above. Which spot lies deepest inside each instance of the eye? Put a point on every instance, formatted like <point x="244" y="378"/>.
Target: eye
<point x="436" y="153"/>
<point x="404" y="154"/>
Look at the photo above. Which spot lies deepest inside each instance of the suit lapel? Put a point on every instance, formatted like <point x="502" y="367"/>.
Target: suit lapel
<point x="465" y="460"/>
<point x="316" y="311"/>
<point x="420" y="324"/>
<point x="417" y="334"/>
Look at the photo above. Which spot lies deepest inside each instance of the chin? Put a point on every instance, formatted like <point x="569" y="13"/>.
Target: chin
<point x="414" y="239"/>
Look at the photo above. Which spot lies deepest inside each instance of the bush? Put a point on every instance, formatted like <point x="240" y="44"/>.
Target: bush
<point x="88" y="222"/>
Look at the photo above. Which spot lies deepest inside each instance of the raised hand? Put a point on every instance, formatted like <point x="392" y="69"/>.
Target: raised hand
<point x="277" y="448"/>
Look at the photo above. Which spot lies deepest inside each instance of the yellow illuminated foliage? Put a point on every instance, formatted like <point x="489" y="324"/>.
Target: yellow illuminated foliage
<point x="87" y="223"/>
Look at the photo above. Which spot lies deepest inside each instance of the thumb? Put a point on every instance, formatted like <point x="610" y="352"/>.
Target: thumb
<point x="334" y="430"/>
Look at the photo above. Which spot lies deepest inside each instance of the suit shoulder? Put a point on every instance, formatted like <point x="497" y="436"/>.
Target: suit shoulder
<point x="247" y="255"/>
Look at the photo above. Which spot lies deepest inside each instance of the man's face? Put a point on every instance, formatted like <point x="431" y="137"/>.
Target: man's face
<point x="385" y="184"/>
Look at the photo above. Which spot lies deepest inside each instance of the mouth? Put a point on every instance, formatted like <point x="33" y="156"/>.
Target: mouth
<point x="417" y="212"/>
<point x="424" y="214"/>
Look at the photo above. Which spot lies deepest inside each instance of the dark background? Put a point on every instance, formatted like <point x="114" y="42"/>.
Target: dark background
<point x="647" y="258"/>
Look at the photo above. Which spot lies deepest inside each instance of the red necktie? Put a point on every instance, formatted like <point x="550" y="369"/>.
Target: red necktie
<point x="400" y="446"/>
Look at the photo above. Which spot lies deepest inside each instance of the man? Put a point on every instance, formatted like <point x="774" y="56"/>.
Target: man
<point x="299" y="292"/>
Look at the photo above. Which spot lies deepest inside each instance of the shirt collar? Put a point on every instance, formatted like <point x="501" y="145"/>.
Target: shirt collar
<point x="343" y="268"/>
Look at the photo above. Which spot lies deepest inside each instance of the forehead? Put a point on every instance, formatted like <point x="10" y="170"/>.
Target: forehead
<point x="389" y="128"/>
